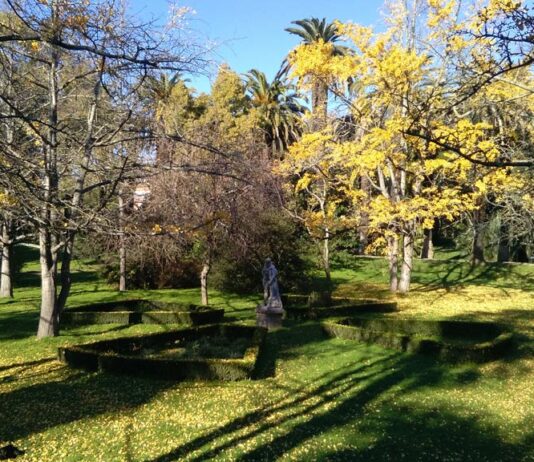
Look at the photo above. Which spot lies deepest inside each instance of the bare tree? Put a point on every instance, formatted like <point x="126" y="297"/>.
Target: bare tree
<point x="81" y="65"/>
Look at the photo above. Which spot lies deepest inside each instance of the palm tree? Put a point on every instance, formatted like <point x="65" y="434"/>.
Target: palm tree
<point x="160" y="89"/>
<point x="314" y="30"/>
<point x="279" y="107"/>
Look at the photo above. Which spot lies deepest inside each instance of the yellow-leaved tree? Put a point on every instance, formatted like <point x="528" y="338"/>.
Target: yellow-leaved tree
<point x="423" y="157"/>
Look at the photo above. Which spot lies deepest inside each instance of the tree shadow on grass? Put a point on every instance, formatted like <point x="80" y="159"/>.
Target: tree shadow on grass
<point x="256" y="423"/>
<point x="452" y="274"/>
<point x="266" y="363"/>
<point x="429" y="275"/>
<point x="342" y="403"/>
<point x="284" y="344"/>
<point x="26" y="365"/>
<point x="16" y="325"/>
<point x="71" y="330"/>
<point x="23" y="324"/>
<point x="405" y="434"/>
<point x="390" y="432"/>
<point x="80" y="395"/>
<point x="33" y="279"/>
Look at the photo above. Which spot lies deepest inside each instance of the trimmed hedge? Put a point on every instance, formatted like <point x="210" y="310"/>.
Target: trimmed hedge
<point x="139" y="305"/>
<point x="320" y="299"/>
<point x="345" y="307"/>
<point x="96" y="317"/>
<point x="119" y="355"/>
<point x="294" y="300"/>
<point x="142" y="311"/>
<point x="454" y="341"/>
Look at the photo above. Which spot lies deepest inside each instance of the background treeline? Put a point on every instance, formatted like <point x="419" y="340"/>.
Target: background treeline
<point x="383" y="144"/>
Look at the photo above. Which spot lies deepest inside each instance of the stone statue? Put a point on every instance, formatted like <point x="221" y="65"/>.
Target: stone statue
<point x="272" y="303"/>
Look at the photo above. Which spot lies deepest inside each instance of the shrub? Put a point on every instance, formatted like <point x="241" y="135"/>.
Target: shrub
<point x="238" y="265"/>
<point x="152" y="263"/>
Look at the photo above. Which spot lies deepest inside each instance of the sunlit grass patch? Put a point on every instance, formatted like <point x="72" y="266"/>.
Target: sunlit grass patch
<point x="322" y="399"/>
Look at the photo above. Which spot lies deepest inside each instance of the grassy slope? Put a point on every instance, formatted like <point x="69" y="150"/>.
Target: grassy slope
<point x="321" y="399"/>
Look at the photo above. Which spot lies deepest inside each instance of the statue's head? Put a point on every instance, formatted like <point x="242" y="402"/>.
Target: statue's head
<point x="268" y="262"/>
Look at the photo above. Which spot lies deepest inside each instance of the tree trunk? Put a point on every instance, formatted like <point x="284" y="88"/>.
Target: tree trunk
<point x="204" y="282"/>
<point x="326" y="257"/>
<point x="49" y="319"/>
<point x="503" y="254"/>
<point x="66" y="276"/>
<point x="393" y="258"/>
<point x="363" y="229"/>
<point x="521" y="254"/>
<point x="427" y="252"/>
<point x="122" y="265"/>
<point x="122" y="246"/>
<point x="49" y="316"/>
<point x="6" y="278"/>
<point x="6" y="281"/>
<point x="477" y="252"/>
<point x="407" y="262"/>
<point x="319" y="105"/>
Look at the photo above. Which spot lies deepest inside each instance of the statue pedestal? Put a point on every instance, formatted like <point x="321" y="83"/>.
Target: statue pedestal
<point x="269" y="317"/>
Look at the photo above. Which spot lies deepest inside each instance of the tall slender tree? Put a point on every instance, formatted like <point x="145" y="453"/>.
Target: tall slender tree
<point x="318" y="36"/>
<point x="315" y="31"/>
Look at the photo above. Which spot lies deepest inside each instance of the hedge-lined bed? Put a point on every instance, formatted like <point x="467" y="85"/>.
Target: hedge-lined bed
<point x="454" y="341"/>
<point x="305" y="307"/>
<point x="128" y="355"/>
<point x="137" y="304"/>
<point x="142" y="312"/>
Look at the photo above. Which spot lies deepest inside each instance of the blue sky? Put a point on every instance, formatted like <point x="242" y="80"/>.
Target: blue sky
<point x="250" y="33"/>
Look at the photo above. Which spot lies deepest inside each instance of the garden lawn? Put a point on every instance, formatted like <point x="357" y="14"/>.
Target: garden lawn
<point x="319" y="398"/>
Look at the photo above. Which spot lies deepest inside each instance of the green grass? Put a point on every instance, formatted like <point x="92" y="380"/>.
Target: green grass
<point x="319" y="398"/>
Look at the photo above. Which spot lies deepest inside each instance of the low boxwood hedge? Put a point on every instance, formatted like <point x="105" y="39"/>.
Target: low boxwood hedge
<point x="454" y="341"/>
<point x="320" y="299"/>
<point x="119" y="355"/>
<point x="142" y="311"/>
<point x="97" y="317"/>
<point x="340" y="307"/>
<point x="139" y="305"/>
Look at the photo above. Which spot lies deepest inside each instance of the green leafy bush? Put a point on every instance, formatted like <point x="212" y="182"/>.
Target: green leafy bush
<point x="237" y="267"/>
